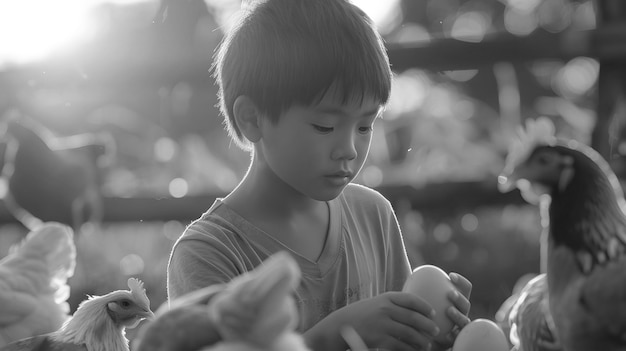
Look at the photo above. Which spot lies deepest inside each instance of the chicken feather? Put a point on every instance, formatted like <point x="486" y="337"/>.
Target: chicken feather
<point x="531" y="324"/>
<point x="33" y="283"/>
<point x="259" y="307"/>
<point x="253" y="312"/>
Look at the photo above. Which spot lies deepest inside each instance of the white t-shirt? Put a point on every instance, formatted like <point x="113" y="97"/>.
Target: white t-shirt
<point x="363" y="256"/>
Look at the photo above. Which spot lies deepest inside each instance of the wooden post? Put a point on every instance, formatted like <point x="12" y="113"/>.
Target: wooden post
<point x="611" y="105"/>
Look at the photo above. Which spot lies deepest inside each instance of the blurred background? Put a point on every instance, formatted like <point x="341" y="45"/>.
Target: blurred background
<point x="132" y="77"/>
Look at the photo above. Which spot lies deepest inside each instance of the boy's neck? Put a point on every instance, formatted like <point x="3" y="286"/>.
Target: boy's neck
<point x="297" y="221"/>
<point x="264" y="193"/>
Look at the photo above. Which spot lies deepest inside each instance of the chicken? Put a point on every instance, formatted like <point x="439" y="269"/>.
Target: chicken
<point x="254" y="312"/>
<point x="504" y="312"/>
<point x="49" y="178"/>
<point x="582" y="208"/>
<point x="183" y="325"/>
<point x="99" y="323"/>
<point x="532" y="327"/>
<point x="33" y="283"/>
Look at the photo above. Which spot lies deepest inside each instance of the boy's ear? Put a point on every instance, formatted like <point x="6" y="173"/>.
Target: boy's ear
<point x="248" y="118"/>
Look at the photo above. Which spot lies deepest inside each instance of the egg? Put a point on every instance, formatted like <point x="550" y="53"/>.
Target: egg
<point x="433" y="285"/>
<point x="481" y="335"/>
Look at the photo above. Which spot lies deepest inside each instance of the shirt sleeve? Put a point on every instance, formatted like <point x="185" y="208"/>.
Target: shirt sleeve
<point x="197" y="263"/>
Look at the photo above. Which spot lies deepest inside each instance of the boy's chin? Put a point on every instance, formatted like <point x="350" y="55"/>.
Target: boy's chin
<point x="327" y="195"/>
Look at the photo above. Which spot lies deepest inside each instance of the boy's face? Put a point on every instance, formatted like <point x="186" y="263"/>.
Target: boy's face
<point x="317" y="150"/>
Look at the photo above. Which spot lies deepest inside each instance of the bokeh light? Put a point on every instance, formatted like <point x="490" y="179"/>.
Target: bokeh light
<point x="577" y="77"/>
<point x="178" y="187"/>
<point x="173" y="229"/>
<point x="469" y="222"/>
<point x="164" y="149"/>
<point x="443" y="233"/>
<point x="471" y="26"/>
<point x="372" y="176"/>
<point x="520" y="18"/>
<point x="132" y="264"/>
<point x="408" y="92"/>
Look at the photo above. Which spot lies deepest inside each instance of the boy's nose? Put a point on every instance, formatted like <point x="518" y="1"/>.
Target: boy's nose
<point x="345" y="149"/>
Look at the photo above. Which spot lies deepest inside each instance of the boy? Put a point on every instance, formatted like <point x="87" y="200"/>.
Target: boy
<point x="301" y="85"/>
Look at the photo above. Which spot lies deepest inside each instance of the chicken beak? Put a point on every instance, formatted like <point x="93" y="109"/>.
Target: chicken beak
<point x="147" y="314"/>
<point x="506" y="182"/>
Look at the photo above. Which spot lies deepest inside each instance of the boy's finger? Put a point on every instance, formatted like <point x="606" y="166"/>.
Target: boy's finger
<point x="409" y="339"/>
<point x="457" y="317"/>
<point x="461" y="283"/>
<point x="412" y="302"/>
<point x="459" y="301"/>
<point x="416" y="321"/>
<point x="450" y="338"/>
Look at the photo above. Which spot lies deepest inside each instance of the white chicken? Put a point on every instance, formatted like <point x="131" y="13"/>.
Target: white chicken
<point x="33" y="283"/>
<point x="99" y="323"/>
<point x="253" y="312"/>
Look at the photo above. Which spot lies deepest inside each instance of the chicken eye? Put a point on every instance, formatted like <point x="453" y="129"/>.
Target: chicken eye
<point x="543" y="160"/>
<point x="125" y="303"/>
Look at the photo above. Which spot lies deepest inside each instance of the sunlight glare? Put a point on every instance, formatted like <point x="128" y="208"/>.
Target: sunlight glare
<point x="383" y="13"/>
<point x="32" y="29"/>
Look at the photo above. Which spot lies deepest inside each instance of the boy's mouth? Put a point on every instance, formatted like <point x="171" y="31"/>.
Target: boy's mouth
<point x="341" y="174"/>
<point x="340" y="178"/>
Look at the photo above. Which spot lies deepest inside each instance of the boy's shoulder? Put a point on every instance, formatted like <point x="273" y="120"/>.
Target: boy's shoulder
<point x="216" y="223"/>
<point x="363" y="195"/>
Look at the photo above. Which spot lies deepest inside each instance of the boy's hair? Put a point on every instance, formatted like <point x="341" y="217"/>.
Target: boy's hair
<point x="287" y="52"/>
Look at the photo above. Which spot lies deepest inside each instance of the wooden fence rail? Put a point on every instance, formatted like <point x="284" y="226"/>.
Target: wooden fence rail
<point x="433" y="198"/>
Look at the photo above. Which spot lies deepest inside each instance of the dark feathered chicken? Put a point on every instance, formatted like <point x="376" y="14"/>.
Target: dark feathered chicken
<point x="51" y="178"/>
<point x="582" y="205"/>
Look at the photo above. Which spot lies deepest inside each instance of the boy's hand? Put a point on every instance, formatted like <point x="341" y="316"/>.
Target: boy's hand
<point x="396" y="321"/>
<point x="459" y="311"/>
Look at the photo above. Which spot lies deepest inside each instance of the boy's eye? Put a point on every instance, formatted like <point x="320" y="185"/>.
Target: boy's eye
<point x="365" y="130"/>
<point x="322" y="129"/>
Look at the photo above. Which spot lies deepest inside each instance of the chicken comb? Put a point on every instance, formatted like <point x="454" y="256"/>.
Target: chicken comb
<point x="538" y="132"/>
<point x="138" y="291"/>
<point x="249" y="4"/>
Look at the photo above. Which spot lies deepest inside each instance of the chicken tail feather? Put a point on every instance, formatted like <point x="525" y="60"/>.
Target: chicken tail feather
<point x="53" y="243"/>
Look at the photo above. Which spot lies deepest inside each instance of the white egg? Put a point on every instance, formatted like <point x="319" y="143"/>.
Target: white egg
<point x="481" y="335"/>
<point x="432" y="284"/>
